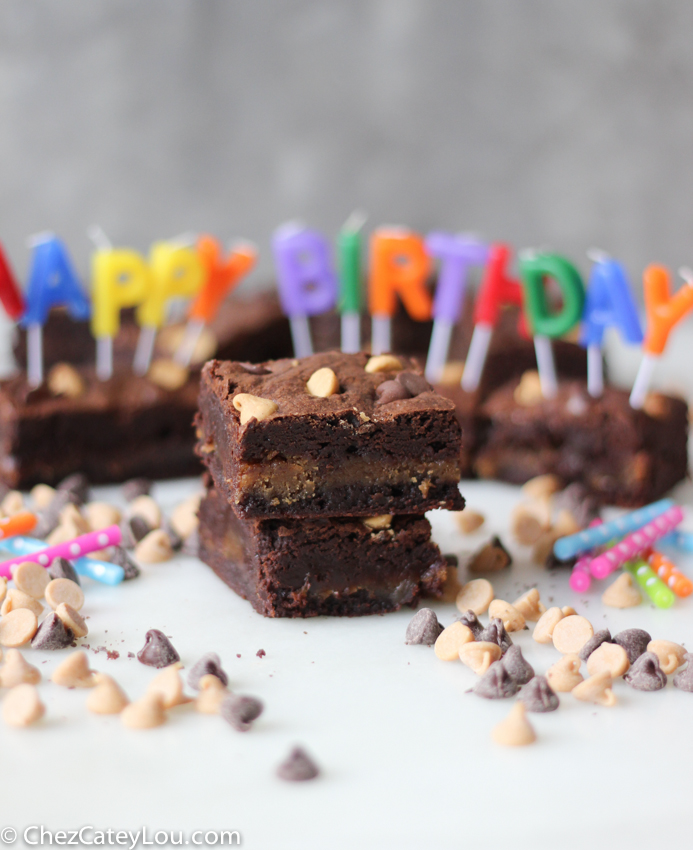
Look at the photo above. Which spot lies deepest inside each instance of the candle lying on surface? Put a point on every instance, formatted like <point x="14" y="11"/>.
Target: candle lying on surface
<point x="670" y="574"/>
<point x="19" y="523"/>
<point x="660" y="595"/>
<point x="102" y="571"/>
<point x="581" y="578"/>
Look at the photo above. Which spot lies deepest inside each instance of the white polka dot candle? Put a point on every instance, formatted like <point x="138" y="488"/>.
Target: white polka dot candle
<point x="71" y="549"/>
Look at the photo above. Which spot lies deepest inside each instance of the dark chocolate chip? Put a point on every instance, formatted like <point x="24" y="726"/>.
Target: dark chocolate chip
<point x="298" y="767"/>
<point x="133" y="529"/>
<point x="49" y="517"/>
<point x="414" y="384"/>
<point x="470" y="620"/>
<point x="390" y="391"/>
<point x="240" y="711"/>
<point x="77" y="485"/>
<point x="517" y="666"/>
<point x="634" y="641"/>
<point x="645" y="674"/>
<point x="496" y="683"/>
<point x="578" y="501"/>
<point x="495" y="633"/>
<point x="255" y="369"/>
<point x="158" y="651"/>
<point x="539" y="696"/>
<point x="191" y="544"/>
<point x="52" y="634"/>
<point x="493" y="556"/>
<point x="597" y="639"/>
<point x="136" y="487"/>
<point x="208" y="665"/>
<point x="554" y="563"/>
<point x="683" y="680"/>
<point x="452" y="561"/>
<point x="123" y="559"/>
<point x="174" y="538"/>
<point x="62" y="568"/>
<point x="423" y="628"/>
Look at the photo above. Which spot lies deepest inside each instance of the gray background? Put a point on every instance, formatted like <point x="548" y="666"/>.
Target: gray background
<point x="566" y="124"/>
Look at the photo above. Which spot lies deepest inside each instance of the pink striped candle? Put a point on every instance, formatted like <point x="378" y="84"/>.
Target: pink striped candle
<point x="71" y="549"/>
<point x="580" y="578"/>
<point x="635" y="543"/>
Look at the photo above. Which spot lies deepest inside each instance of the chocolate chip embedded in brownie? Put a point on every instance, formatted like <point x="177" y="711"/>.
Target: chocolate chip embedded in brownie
<point x="329" y="566"/>
<point x="374" y="438"/>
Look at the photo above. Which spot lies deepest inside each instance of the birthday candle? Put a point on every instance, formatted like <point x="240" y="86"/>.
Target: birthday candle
<point x="399" y="266"/>
<point x="662" y="312"/>
<point x="349" y="254"/>
<point x="668" y="572"/>
<point x="10" y="295"/>
<point x="546" y="323"/>
<point x="661" y="595"/>
<point x="609" y="303"/>
<point x="636" y="542"/>
<point x="456" y="255"/>
<point x="20" y="523"/>
<point x="588" y="538"/>
<point x="102" y="571"/>
<point x="581" y="578"/>
<point x="306" y="279"/>
<point x="220" y="277"/>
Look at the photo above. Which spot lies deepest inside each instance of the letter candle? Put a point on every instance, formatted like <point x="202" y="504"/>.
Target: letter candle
<point x="456" y="255"/>
<point x="662" y="312"/>
<point x="10" y="295"/>
<point x="306" y="279"/>
<point x="399" y="266"/>
<point x="496" y="289"/>
<point x="221" y="276"/>
<point x="176" y="271"/>
<point x="52" y="282"/>
<point x="349" y="254"/>
<point x="609" y="302"/>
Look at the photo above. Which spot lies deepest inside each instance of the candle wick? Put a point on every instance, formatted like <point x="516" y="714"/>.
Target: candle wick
<point x="38" y="238"/>
<point x="355" y="221"/>
<point x="597" y="255"/>
<point x="98" y="236"/>
<point x="687" y="274"/>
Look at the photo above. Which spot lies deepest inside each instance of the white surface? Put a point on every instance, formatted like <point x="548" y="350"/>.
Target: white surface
<point x="406" y="757"/>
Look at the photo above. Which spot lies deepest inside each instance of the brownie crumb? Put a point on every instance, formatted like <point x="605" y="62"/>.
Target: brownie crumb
<point x="261" y="653"/>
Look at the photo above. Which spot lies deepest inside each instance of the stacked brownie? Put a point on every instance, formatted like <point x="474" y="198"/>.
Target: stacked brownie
<point x="319" y="474"/>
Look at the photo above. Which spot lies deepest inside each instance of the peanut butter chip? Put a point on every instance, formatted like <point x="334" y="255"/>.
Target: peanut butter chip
<point x="543" y="631"/>
<point x="596" y="689"/>
<point x="168" y="374"/>
<point x="565" y="674"/>
<point x="568" y="610"/>
<point x="107" y="697"/>
<point x="541" y="487"/>
<point x="670" y="654"/>
<point x="212" y="694"/>
<point x="469" y="521"/>
<point x="529" y="605"/>
<point x="447" y="646"/>
<point x="12" y="503"/>
<point x="528" y="392"/>
<point x="571" y="633"/>
<point x="31" y="579"/>
<point x="3" y="588"/>
<point x="65" y="380"/>
<point x="74" y="672"/>
<point x="184" y="517"/>
<point x="515" y="730"/>
<point x="22" y="706"/>
<point x="378" y="522"/>
<point x="382" y="363"/>
<point x="169" y="685"/>
<point x="100" y="515"/>
<point x="609" y="657"/>
<point x="529" y="521"/>
<point x="145" y="507"/>
<point x="479" y="655"/>
<point x="17" y="671"/>
<point x="72" y="619"/>
<point x="511" y="618"/>
<point x="476" y="595"/>
<point x="154" y="548"/>
<point x="323" y="383"/>
<point x="622" y="593"/>
<point x="63" y="590"/>
<point x="42" y="496"/>
<point x="18" y="627"/>
<point x="18" y="599"/>
<point x="146" y="713"/>
<point x="253" y="407"/>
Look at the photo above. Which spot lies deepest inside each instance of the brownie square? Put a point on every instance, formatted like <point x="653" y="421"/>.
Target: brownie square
<point x="329" y="566"/>
<point x="623" y="456"/>
<point x="345" y="455"/>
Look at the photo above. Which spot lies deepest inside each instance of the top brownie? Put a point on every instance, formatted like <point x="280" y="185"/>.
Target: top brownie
<point x="383" y="442"/>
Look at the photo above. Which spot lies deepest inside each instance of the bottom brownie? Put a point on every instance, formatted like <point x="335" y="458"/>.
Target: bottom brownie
<point x="336" y="567"/>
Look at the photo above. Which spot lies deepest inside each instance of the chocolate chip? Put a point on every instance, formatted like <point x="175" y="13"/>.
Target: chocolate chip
<point x="298" y="767"/>
<point x="208" y="665"/>
<point x="62" y="568"/>
<point x="495" y="633"/>
<point x="414" y="384"/>
<point x="634" y="641"/>
<point x="452" y="561"/>
<point x="496" y="683"/>
<point x="123" y="559"/>
<point x="470" y="620"/>
<point x="490" y="558"/>
<point x="77" y="485"/>
<point x="136" y="487"/>
<point x="423" y="628"/>
<point x="255" y="369"/>
<point x="52" y="634"/>
<point x="578" y="501"/>
<point x="597" y="639"/>
<point x="49" y="517"/>
<point x="174" y="538"/>
<point x="645" y="673"/>
<point x="517" y="666"/>
<point x="554" y="563"/>
<point x="158" y="651"/>
<point x="539" y="696"/>
<point x="191" y="544"/>
<point x="240" y="711"/>
<point x="683" y="680"/>
<point x="390" y="391"/>
<point x="133" y="529"/>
